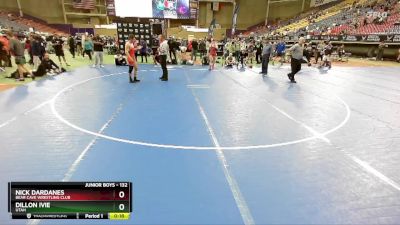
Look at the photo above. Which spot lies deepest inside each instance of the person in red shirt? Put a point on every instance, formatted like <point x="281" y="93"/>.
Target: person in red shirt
<point x="4" y="51"/>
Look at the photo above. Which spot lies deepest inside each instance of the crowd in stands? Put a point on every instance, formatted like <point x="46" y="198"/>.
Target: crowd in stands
<point x="348" y="17"/>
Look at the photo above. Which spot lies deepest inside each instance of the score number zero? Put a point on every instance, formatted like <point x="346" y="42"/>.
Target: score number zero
<point x="121" y="195"/>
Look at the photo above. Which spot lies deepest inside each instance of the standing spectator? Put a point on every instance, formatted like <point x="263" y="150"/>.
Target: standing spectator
<point x="202" y="48"/>
<point x="243" y="52"/>
<point x="266" y="54"/>
<point x="231" y="48"/>
<point x="18" y="50"/>
<point x="297" y="56"/>
<point x="237" y="49"/>
<point x="28" y="47"/>
<point x="251" y="53"/>
<point x="58" y="48"/>
<point x="195" y="49"/>
<point x="226" y="49"/>
<point x="172" y="50"/>
<point x="381" y="49"/>
<point x="42" y="47"/>
<point x="79" y="47"/>
<point x="72" y="46"/>
<point x="259" y="49"/>
<point x="319" y="52"/>
<point x="88" y="48"/>
<point x="154" y="46"/>
<point x="143" y="50"/>
<point x="4" y="52"/>
<point x="398" y="57"/>
<point x="98" y="44"/>
<point x="341" y="52"/>
<point x="163" y="51"/>
<point x="36" y="51"/>
<point x="280" y="51"/>
<point x="307" y="53"/>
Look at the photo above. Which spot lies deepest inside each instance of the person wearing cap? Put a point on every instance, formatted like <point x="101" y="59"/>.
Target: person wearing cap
<point x="297" y="57"/>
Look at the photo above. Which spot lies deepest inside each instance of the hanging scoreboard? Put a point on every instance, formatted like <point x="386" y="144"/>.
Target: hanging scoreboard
<point x="70" y="200"/>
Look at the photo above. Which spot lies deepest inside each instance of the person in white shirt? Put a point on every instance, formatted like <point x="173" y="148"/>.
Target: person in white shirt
<point x="163" y="52"/>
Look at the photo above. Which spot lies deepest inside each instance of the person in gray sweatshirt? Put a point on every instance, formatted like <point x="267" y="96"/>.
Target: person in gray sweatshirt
<point x="265" y="56"/>
<point x="297" y="57"/>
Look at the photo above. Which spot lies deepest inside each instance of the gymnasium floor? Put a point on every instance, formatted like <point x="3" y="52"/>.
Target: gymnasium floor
<point x="220" y="147"/>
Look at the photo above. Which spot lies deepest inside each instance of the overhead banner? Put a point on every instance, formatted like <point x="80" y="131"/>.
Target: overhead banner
<point x="234" y="19"/>
<point x="211" y="28"/>
<point x="316" y="3"/>
<point x="194" y="9"/>
<point x="110" y="5"/>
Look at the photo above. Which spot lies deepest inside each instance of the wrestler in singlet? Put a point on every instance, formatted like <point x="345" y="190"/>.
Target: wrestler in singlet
<point x="132" y="59"/>
<point x="130" y="50"/>
<point x="213" y="54"/>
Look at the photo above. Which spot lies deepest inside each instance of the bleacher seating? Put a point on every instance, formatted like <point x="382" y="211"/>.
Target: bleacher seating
<point x="350" y="17"/>
<point x="9" y="20"/>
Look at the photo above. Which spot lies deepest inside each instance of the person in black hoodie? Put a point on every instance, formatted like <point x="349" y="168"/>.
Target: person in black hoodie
<point x="202" y="49"/>
<point x="259" y="48"/>
<point x="195" y="48"/>
<point x="171" y="44"/>
<point x="58" y="48"/>
<point x="36" y="51"/>
<point x="72" y="46"/>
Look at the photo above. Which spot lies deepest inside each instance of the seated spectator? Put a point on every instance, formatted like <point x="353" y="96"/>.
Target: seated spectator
<point x="47" y="66"/>
<point x="230" y="61"/>
<point x="120" y="60"/>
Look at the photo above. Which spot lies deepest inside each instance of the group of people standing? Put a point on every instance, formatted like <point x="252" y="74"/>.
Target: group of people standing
<point x="88" y="45"/>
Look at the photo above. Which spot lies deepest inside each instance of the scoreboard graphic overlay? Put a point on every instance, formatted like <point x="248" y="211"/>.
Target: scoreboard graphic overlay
<point x="70" y="200"/>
